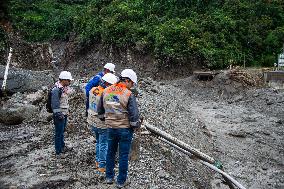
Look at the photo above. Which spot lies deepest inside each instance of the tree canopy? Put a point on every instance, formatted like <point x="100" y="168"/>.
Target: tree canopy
<point x="214" y="33"/>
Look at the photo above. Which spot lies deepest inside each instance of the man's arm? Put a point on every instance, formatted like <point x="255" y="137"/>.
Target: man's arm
<point x="55" y="100"/>
<point x="101" y="109"/>
<point x="94" y="82"/>
<point x="133" y="113"/>
<point x="55" y="103"/>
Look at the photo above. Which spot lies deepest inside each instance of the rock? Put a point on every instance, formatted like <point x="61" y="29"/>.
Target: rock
<point x="154" y="90"/>
<point x="265" y="166"/>
<point x="35" y="98"/>
<point x="249" y="119"/>
<point x="163" y="174"/>
<point x="275" y="120"/>
<point x="279" y="121"/>
<point x="240" y="134"/>
<point x="20" y="80"/>
<point x="44" y="116"/>
<point x="17" y="113"/>
<point x="269" y="102"/>
<point x="219" y="116"/>
<point x="142" y="84"/>
<point x="238" y="98"/>
<point x="149" y="81"/>
<point x="255" y="95"/>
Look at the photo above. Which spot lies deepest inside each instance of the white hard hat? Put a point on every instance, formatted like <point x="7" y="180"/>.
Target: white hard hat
<point x="65" y="75"/>
<point x="110" y="78"/>
<point x="129" y="73"/>
<point x="110" y="66"/>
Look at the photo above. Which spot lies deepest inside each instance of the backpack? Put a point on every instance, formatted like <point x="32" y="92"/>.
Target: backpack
<point x="48" y="103"/>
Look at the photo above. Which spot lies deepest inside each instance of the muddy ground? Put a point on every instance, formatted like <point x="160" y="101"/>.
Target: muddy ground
<point x="240" y="126"/>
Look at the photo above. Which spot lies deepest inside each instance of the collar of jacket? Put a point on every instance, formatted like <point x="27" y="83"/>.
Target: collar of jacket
<point x="122" y="85"/>
<point x="100" y="88"/>
<point x="65" y="89"/>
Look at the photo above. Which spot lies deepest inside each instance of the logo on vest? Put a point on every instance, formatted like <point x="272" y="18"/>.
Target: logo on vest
<point x="112" y="98"/>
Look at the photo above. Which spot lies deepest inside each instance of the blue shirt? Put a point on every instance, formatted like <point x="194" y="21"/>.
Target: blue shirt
<point x="94" y="82"/>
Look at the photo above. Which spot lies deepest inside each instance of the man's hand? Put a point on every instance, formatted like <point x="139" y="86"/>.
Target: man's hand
<point x="138" y="124"/>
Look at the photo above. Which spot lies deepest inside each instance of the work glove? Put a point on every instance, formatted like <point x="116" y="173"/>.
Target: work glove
<point x="59" y="115"/>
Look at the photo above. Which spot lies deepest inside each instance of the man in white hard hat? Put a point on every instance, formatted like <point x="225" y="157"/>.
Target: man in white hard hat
<point x="98" y="127"/>
<point x="60" y="106"/>
<point x="119" y="108"/>
<point x="94" y="82"/>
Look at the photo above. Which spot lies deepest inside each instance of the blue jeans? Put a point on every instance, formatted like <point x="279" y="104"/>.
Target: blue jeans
<point x="101" y="145"/>
<point x="118" y="138"/>
<point x="95" y="133"/>
<point x="60" y="125"/>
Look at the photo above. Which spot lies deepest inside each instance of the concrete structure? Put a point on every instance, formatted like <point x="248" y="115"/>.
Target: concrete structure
<point x="274" y="79"/>
<point x="204" y="75"/>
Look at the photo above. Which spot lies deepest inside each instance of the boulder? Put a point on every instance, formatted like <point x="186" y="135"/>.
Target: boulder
<point x="20" y="107"/>
<point x="17" y="113"/>
<point x="35" y="98"/>
<point x="20" y="80"/>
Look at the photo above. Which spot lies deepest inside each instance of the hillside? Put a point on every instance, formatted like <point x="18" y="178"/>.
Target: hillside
<point x="213" y="34"/>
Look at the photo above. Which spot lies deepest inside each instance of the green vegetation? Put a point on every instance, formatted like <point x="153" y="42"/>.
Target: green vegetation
<point x="214" y="33"/>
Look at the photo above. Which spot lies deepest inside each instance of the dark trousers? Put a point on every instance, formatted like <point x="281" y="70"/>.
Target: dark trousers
<point x="60" y="125"/>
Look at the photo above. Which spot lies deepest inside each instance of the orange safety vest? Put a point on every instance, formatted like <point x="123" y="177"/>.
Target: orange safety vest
<point x="115" y="100"/>
<point x="94" y="96"/>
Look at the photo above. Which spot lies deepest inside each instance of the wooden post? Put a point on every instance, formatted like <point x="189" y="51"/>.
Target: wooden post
<point x="6" y="72"/>
<point x="135" y="146"/>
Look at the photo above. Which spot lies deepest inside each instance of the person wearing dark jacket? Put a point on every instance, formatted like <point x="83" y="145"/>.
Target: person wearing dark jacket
<point x="95" y="81"/>
<point x="60" y="106"/>
<point x="118" y="107"/>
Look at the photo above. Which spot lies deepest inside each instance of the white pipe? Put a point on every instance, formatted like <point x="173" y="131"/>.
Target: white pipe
<point x="236" y="183"/>
<point x="6" y="70"/>
<point x="179" y="143"/>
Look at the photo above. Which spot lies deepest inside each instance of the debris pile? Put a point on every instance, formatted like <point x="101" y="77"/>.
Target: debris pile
<point x="244" y="77"/>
